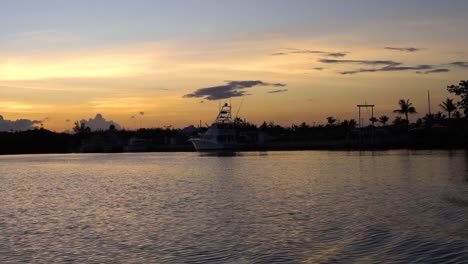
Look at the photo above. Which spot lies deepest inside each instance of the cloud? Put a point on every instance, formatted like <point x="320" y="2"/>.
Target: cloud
<point x="462" y="64"/>
<point x="318" y="68"/>
<point x="99" y="123"/>
<point x="278" y="91"/>
<point x="366" y="62"/>
<point x="433" y="71"/>
<point x="309" y="51"/>
<point x="390" y="68"/>
<point x="230" y="89"/>
<point x="404" y="49"/>
<point x="279" y="54"/>
<point x="18" y="125"/>
<point x="388" y="65"/>
<point x="325" y="53"/>
<point x="336" y="54"/>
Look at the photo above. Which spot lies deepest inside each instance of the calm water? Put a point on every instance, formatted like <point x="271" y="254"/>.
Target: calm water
<point x="312" y="207"/>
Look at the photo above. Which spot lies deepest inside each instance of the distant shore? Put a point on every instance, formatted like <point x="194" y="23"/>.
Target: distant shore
<point x="451" y="134"/>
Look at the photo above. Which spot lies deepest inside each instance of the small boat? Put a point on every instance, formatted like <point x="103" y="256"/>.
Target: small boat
<point x="221" y="135"/>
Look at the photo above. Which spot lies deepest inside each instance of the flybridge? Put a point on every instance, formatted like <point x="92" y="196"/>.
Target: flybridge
<point x="224" y="115"/>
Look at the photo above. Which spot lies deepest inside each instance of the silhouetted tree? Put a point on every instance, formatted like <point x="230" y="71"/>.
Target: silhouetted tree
<point x="81" y="128"/>
<point x="457" y="114"/>
<point x="428" y="120"/>
<point x="405" y="108"/>
<point x="304" y="126"/>
<point x="331" y="120"/>
<point x="398" y="121"/>
<point x="439" y="117"/>
<point x="461" y="90"/>
<point x="349" y="125"/>
<point x="373" y="120"/>
<point x="383" y="120"/>
<point x="448" y="106"/>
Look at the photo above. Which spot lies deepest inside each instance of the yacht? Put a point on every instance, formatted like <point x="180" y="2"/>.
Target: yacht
<point x="221" y="135"/>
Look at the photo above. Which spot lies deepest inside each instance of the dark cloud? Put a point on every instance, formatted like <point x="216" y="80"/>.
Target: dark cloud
<point x="325" y="53"/>
<point x="100" y="123"/>
<point x="309" y="51"/>
<point x="278" y="91"/>
<point x="18" y="125"/>
<point x="462" y="64"/>
<point x="279" y="54"/>
<point x="390" y="68"/>
<point x="230" y="89"/>
<point x="433" y="71"/>
<point x="405" y="49"/>
<point x="336" y="54"/>
<point x="318" y="68"/>
<point x="366" y="62"/>
<point x="385" y="65"/>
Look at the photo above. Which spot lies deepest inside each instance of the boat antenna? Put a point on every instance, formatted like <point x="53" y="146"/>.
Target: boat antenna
<point x="238" y="109"/>
<point x="429" y="101"/>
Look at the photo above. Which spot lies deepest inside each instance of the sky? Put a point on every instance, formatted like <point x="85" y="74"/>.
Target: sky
<point x="171" y="63"/>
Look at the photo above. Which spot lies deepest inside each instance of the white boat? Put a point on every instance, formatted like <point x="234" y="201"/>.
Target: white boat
<point x="221" y="135"/>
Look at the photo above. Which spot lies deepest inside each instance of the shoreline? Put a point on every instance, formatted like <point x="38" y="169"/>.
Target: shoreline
<point x="277" y="148"/>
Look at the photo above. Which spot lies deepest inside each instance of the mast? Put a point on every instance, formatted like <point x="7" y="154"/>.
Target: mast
<point x="429" y="101"/>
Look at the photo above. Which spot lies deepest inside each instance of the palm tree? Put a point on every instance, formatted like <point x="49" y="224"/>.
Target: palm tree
<point x="373" y="120"/>
<point x="383" y="119"/>
<point x="331" y="120"/>
<point x="448" y="106"/>
<point x="405" y="108"/>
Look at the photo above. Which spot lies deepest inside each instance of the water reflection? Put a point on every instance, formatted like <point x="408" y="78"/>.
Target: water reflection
<point x="219" y="153"/>
<point x="246" y="207"/>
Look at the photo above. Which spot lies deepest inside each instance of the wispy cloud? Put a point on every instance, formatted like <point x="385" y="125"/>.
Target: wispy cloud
<point x="433" y="71"/>
<point x="318" y="68"/>
<point x="325" y="53"/>
<point x="462" y="64"/>
<point x="278" y="91"/>
<point x="366" y="62"/>
<point x="390" y="68"/>
<point x="404" y="49"/>
<point x="230" y="89"/>
<point x="385" y="66"/>
<point x="279" y="54"/>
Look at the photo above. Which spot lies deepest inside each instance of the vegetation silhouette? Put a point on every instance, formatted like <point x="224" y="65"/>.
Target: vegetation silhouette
<point x="448" y="106"/>
<point x="405" y="108"/>
<point x="461" y="90"/>
<point x="383" y="120"/>
<point x="431" y="131"/>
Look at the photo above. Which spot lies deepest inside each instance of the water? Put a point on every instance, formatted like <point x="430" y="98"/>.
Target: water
<point x="285" y="207"/>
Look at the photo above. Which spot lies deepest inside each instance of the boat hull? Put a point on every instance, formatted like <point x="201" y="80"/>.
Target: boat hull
<point x="206" y="145"/>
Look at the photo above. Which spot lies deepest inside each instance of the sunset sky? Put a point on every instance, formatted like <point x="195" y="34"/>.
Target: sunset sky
<point x="146" y="63"/>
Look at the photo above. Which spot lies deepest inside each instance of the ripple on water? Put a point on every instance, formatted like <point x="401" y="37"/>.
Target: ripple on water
<point x="282" y="207"/>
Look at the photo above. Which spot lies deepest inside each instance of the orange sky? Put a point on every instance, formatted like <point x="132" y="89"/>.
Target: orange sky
<point x="62" y="84"/>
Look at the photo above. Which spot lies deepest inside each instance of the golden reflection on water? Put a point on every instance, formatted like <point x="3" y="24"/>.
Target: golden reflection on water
<point x="305" y="206"/>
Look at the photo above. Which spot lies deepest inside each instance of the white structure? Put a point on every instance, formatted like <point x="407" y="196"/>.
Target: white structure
<point x="221" y="135"/>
